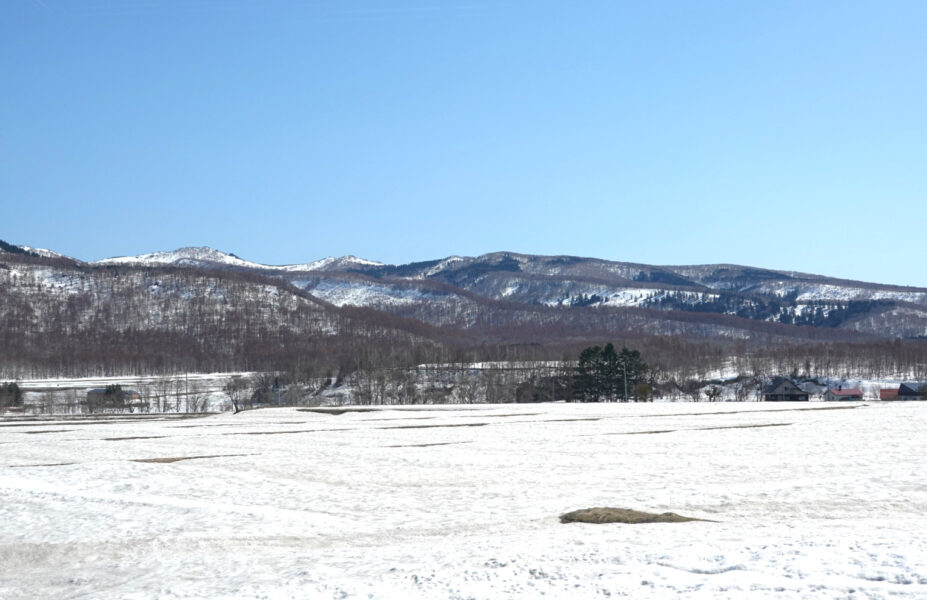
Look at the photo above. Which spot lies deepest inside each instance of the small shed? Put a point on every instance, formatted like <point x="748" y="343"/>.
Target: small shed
<point x="851" y="394"/>
<point x="888" y="394"/>
<point x="783" y="389"/>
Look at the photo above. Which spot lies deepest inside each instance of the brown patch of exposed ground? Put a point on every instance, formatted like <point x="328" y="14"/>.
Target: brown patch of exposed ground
<point x="600" y="515"/>
<point x="265" y="423"/>
<point x="737" y="412"/>
<point x="366" y="409"/>
<point x="701" y="429"/>
<point x="504" y="415"/>
<point x="48" y="431"/>
<point x="173" y="459"/>
<point x="434" y="426"/>
<point x="427" y="445"/>
<point x="454" y="417"/>
<point x="286" y="432"/>
<point x="36" y="424"/>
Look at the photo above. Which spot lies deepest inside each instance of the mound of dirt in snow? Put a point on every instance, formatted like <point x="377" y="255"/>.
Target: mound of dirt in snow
<point x="603" y="514"/>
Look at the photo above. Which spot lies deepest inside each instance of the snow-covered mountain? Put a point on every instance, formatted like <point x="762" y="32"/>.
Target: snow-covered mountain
<point x="573" y="282"/>
<point x="331" y="263"/>
<point x="204" y="256"/>
<point x="65" y="318"/>
<point x="45" y="253"/>
<point x="507" y="289"/>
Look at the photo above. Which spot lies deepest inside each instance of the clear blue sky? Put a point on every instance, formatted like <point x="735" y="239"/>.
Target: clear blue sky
<point x="788" y="135"/>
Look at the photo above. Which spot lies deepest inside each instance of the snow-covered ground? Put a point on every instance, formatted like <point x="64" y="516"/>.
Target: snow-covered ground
<point x="807" y="501"/>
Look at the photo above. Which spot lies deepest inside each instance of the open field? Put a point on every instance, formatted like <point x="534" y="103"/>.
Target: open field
<point x="807" y="500"/>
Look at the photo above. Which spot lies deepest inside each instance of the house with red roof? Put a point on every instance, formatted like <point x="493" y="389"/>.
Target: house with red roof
<point x="851" y="394"/>
<point x="905" y="391"/>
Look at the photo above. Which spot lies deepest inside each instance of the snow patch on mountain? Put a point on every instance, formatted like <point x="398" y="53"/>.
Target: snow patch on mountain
<point x="444" y="265"/>
<point x="811" y="292"/>
<point x="331" y="263"/>
<point x="363" y="293"/>
<point x="510" y="290"/>
<point x="625" y="297"/>
<point x="183" y="256"/>
<point x="45" y="252"/>
<point x="640" y="296"/>
<point x="63" y="282"/>
<point x="206" y="256"/>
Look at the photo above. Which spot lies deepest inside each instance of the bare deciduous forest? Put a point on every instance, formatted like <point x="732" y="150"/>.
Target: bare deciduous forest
<point x="61" y="319"/>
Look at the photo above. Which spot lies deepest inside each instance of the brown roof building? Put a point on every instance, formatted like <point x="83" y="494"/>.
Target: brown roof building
<point x="851" y="394"/>
<point x="888" y="394"/>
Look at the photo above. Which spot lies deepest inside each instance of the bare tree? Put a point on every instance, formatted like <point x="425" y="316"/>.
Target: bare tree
<point x="197" y="400"/>
<point x="235" y="389"/>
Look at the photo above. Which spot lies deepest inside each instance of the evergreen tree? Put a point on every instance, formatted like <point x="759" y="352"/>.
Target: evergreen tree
<point x="604" y="374"/>
<point x="10" y="395"/>
<point x="588" y="373"/>
<point x="610" y="373"/>
<point x="13" y="249"/>
<point x="633" y="371"/>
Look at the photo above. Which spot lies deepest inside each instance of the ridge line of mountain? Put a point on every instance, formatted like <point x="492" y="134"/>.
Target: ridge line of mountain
<point x="210" y="257"/>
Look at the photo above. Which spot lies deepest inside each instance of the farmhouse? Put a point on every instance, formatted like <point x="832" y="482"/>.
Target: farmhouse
<point x="111" y="398"/>
<point x="784" y="390"/>
<point x="906" y="391"/>
<point x="912" y="391"/>
<point x="852" y="394"/>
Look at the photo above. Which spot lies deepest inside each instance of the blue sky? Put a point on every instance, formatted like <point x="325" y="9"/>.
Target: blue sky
<point x="787" y="135"/>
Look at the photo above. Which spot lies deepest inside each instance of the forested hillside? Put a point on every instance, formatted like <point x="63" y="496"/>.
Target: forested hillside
<point x="64" y="319"/>
<point x="203" y="310"/>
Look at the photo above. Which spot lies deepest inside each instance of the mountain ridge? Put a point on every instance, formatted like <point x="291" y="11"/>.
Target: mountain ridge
<point x="465" y="292"/>
<point x="353" y="263"/>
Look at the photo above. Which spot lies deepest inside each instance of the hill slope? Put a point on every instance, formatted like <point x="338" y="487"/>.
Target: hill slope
<point x="456" y="291"/>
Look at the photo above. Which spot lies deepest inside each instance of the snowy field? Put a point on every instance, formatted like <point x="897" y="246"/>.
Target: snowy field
<point x="808" y="500"/>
